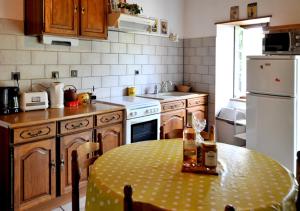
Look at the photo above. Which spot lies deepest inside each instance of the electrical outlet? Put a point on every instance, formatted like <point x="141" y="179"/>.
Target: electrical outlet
<point x="74" y="73"/>
<point x="136" y="72"/>
<point x="15" y="76"/>
<point x="55" y="75"/>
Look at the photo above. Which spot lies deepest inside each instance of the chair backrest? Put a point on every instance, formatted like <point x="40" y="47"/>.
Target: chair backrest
<point x="210" y="135"/>
<point x="229" y="208"/>
<point x="82" y="158"/>
<point x="130" y="205"/>
<point x="176" y="133"/>
<point x="298" y="179"/>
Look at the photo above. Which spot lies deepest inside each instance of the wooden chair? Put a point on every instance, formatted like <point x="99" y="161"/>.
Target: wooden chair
<point x="178" y="133"/>
<point x="298" y="179"/>
<point x="130" y="205"/>
<point x="82" y="159"/>
<point x="229" y="208"/>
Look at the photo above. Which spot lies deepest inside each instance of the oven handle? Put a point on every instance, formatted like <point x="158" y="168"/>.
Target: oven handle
<point x="143" y="119"/>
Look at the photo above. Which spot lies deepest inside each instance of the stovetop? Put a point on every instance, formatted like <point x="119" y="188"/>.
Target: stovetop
<point x="132" y="102"/>
<point x="135" y="106"/>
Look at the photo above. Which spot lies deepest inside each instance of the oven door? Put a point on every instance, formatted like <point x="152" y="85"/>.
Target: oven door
<point x="143" y="129"/>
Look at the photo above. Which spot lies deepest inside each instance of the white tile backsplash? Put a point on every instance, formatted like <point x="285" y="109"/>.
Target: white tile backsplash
<point x="109" y="65"/>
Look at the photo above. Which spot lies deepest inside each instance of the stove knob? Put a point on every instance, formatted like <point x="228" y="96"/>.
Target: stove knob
<point x="130" y="114"/>
<point x="135" y="113"/>
<point x="147" y="111"/>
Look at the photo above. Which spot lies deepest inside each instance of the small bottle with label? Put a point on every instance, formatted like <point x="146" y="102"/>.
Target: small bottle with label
<point x="189" y="144"/>
<point x="210" y="155"/>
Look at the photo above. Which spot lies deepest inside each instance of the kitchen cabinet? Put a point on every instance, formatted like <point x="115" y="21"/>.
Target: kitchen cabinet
<point x="36" y="147"/>
<point x="111" y="136"/>
<point x="67" y="145"/>
<point x="61" y="17"/>
<point x="34" y="173"/>
<point x="174" y="112"/>
<point x="84" y="18"/>
<point x="172" y="120"/>
<point x="198" y="106"/>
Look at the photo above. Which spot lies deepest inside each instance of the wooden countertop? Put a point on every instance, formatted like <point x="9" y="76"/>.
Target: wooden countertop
<point x="23" y="119"/>
<point x="164" y="99"/>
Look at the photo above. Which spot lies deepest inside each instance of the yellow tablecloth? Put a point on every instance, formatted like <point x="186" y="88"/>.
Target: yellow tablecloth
<point x="250" y="180"/>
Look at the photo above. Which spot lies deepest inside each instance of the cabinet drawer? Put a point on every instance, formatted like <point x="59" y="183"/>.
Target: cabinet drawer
<point x="36" y="132"/>
<point x="199" y="111"/>
<point x="109" y="118"/>
<point x="196" y="101"/>
<point x="175" y="105"/>
<point x="75" y="125"/>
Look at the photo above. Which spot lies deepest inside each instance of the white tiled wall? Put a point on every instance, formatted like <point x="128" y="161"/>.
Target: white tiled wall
<point x="108" y="65"/>
<point x="199" y="68"/>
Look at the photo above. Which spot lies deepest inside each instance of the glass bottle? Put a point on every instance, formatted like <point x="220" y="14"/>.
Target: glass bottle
<point x="189" y="144"/>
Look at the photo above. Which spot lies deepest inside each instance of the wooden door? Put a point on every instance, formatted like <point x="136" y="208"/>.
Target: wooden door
<point x="171" y="121"/>
<point x="112" y="136"/>
<point x="93" y="22"/>
<point x="67" y="145"/>
<point x="34" y="173"/>
<point x="199" y="111"/>
<point x="61" y="17"/>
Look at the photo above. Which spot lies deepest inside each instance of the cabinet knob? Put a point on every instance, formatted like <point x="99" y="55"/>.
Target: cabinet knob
<point x="75" y="8"/>
<point x="52" y="164"/>
<point x="62" y="162"/>
<point x="82" y="10"/>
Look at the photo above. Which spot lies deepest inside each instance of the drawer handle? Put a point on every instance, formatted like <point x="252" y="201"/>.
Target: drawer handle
<point x="35" y="133"/>
<point x="82" y="10"/>
<point x="107" y="119"/>
<point x="77" y="126"/>
<point x="62" y="163"/>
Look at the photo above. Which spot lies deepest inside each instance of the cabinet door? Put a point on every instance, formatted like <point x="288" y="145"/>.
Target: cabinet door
<point x="61" y="17"/>
<point x="112" y="136"/>
<point x="199" y="111"/>
<point x="67" y="145"/>
<point x="94" y="18"/>
<point x="34" y="173"/>
<point x="172" y="120"/>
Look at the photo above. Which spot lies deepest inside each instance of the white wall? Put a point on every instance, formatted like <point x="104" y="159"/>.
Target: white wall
<point x="200" y="15"/>
<point x="171" y="10"/>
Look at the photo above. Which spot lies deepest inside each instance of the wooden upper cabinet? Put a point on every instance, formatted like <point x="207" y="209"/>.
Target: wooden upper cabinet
<point x="61" y="17"/>
<point x="87" y="18"/>
<point x="93" y="18"/>
<point x="34" y="173"/>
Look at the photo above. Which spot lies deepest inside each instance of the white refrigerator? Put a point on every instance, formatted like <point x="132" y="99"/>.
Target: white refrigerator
<point x="272" y="107"/>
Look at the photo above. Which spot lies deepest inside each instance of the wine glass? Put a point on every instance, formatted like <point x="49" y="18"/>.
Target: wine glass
<point x="199" y="125"/>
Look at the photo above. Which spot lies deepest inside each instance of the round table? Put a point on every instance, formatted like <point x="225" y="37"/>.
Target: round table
<point x="249" y="180"/>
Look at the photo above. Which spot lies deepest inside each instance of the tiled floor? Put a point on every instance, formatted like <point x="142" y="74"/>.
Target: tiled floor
<point x="68" y="207"/>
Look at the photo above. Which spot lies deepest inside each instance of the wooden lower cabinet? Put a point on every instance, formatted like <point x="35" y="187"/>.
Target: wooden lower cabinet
<point x="112" y="136"/>
<point x="34" y="173"/>
<point x="172" y="120"/>
<point x="199" y="111"/>
<point x="67" y="145"/>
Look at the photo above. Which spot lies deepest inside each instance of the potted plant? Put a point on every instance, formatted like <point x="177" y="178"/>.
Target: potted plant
<point x="132" y="9"/>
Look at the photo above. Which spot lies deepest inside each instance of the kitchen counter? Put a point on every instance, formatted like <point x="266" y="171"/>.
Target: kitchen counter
<point x="171" y="96"/>
<point x="23" y="119"/>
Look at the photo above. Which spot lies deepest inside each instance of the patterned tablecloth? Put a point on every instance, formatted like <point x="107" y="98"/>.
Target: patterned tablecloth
<point x="249" y="180"/>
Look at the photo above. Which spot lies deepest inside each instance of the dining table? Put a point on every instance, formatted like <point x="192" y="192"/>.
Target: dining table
<point x="247" y="179"/>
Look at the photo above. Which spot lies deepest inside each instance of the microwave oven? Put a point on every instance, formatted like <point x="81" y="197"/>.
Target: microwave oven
<point x="282" y="43"/>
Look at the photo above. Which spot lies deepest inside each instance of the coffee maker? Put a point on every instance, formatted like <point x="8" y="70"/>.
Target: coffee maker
<point x="9" y="100"/>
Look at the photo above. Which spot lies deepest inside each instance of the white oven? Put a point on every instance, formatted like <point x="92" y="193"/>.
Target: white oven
<point x="142" y="128"/>
<point x="142" y="118"/>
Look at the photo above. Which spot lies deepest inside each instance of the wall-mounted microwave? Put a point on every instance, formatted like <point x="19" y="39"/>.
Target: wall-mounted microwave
<point x="282" y="43"/>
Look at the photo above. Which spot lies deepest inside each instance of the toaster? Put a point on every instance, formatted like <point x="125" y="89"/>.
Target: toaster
<point x="30" y="101"/>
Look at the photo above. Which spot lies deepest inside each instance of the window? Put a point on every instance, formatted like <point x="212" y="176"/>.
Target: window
<point x="246" y="42"/>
